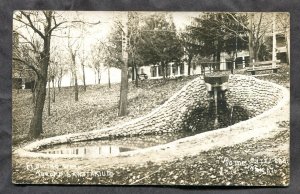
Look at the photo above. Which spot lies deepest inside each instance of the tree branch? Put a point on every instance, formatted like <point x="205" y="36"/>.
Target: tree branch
<point x="31" y="25"/>
<point x="28" y="41"/>
<point x="233" y="17"/>
<point x="55" y="25"/>
<point x="35" y="69"/>
<point x="259" y="25"/>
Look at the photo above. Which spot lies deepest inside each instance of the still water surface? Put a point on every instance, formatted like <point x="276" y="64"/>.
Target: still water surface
<point x="199" y="120"/>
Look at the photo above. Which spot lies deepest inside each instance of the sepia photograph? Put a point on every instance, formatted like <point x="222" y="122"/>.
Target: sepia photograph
<point x="151" y="98"/>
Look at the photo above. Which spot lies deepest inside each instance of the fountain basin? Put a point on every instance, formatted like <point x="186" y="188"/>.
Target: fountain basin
<point x="216" y="81"/>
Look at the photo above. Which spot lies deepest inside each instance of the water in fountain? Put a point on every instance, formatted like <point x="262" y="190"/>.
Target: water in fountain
<point x="202" y="118"/>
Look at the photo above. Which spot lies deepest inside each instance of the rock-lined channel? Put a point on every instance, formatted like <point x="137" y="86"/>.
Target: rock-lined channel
<point x="200" y="119"/>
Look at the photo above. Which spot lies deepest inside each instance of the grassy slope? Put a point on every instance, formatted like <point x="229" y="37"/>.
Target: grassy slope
<point x="96" y="108"/>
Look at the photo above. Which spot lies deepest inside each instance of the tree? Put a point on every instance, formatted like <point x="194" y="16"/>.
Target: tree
<point x="63" y="68"/>
<point x="113" y="48"/>
<point x="123" y="103"/>
<point x="112" y="58"/>
<point x="82" y="63"/>
<point x="54" y="70"/>
<point x="191" y="47"/>
<point x="117" y="55"/>
<point x="160" y="43"/>
<point x="73" y="48"/>
<point x="257" y="25"/>
<point x="49" y="97"/>
<point x="134" y="40"/>
<point x="218" y="32"/>
<point x="82" y="55"/>
<point x="114" y="45"/>
<point x="97" y="57"/>
<point x="40" y="26"/>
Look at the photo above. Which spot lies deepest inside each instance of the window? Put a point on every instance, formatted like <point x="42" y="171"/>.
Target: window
<point x="168" y="71"/>
<point x="181" y="68"/>
<point x="239" y="60"/>
<point x="247" y="60"/>
<point x="153" y="71"/>
<point x="160" y="71"/>
<point x="175" y="69"/>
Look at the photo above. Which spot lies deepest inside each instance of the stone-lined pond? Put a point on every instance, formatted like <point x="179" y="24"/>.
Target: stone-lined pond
<point x="201" y="119"/>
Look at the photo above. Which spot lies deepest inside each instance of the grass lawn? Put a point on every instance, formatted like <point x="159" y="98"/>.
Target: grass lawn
<point x="97" y="107"/>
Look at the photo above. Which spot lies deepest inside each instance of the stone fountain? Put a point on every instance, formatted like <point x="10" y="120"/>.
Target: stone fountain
<point x="216" y="85"/>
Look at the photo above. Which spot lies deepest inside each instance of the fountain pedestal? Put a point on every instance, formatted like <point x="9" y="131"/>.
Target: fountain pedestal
<point x="216" y="85"/>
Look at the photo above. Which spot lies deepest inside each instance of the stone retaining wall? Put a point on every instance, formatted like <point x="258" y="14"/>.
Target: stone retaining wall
<point x="255" y="95"/>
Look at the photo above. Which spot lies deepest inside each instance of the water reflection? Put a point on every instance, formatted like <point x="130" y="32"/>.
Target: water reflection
<point x="104" y="150"/>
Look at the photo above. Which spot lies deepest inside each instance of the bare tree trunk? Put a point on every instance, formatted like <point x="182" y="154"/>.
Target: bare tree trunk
<point x="76" y="86"/>
<point x="99" y="76"/>
<point x="18" y="84"/>
<point x="256" y="49"/>
<point x="251" y="50"/>
<point x="83" y="77"/>
<point x="36" y="124"/>
<point x="73" y="55"/>
<point x="123" y="103"/>
<point x="189" y="64"/>
<point x="274" y="58"/>
<point x="33" y="97"/>
<point x="123" y="90"/>
<point x="33" y="86"/>
<point x="136" y="76"/>
<point x="132" y="72"/>
<point x="49" y="98"/>
<point x="53" y="87"/>
<point x="59" y="84"/>
<point x="218" y="64"/>
<point x="36" y="127"/>
<point x="59" y="80"/>
<point x="108" y="71"/>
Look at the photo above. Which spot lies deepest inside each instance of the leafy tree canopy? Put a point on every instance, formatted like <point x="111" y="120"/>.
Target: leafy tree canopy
<point x="159" y="40"/>
<point x="219" y="32"/>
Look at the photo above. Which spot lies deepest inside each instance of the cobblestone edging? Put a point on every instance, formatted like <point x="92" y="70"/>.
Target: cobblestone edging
<point x="255" y="95"/>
